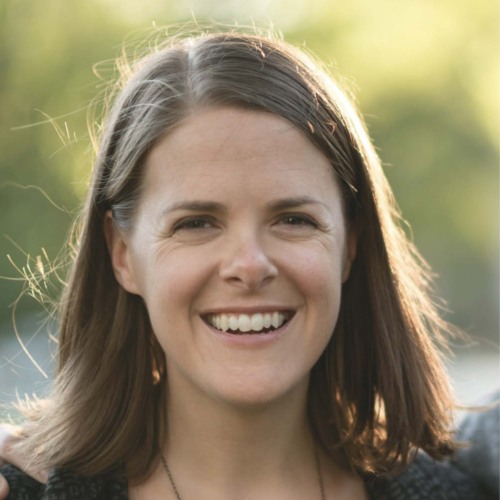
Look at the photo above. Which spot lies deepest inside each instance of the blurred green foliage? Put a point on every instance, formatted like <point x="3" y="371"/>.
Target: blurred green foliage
<point x="425" y="75"/>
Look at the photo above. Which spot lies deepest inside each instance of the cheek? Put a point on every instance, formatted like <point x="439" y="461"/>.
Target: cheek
<point x="170" y="284"/>
<point x="319" y="267"/>
<point x="317" y="272"/>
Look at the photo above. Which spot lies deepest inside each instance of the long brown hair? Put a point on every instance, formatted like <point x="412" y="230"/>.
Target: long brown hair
<point x="379" y="390"/>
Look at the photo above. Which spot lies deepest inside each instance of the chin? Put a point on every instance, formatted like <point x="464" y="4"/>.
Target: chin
<point x="260" y="394"/>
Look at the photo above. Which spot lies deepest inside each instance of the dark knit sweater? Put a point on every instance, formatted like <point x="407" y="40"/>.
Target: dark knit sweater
<point x="424" y="479"/>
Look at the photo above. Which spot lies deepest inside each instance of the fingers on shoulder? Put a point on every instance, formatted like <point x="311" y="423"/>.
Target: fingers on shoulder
<point x="4" y="488"/>
<point x="9" y="436"/>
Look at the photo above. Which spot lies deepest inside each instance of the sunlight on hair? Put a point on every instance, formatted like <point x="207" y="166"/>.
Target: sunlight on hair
<point x="42" y="280"/>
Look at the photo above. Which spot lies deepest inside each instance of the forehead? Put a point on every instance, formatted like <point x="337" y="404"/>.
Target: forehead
<point x="228" y="148"/>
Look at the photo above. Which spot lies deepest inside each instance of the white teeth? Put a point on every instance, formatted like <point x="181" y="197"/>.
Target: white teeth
<point x="277" y="319"/>
<point x="224" y="323"/>
<point x="247" y="322"/>
<point x="244" y="323"/>
<point x="257" y="322"/>
<point x="268" y="321"/>
<point x="233" y="322"/>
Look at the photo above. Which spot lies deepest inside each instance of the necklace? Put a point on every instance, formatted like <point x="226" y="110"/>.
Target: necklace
<point x="318" y="470"/>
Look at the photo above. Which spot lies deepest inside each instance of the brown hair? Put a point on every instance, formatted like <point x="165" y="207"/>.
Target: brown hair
<point x="377" y="393"/>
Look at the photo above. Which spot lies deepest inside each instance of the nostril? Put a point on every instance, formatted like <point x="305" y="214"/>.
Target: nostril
<point x="251" y="268"/>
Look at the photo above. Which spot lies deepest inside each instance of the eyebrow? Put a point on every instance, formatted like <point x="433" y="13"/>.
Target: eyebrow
<point x="213" y="206"/>
<point x="195" y="206"/>
<point x="294" y="202"/>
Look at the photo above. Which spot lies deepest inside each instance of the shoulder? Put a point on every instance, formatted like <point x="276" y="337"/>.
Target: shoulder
<point x="480" y="455"/>
<point x="22" y="486"/>
<point x="426" y="479"/>
<point x="63" y="485"/>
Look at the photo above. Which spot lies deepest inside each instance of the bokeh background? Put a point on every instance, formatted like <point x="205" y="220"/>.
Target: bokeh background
<point x="426" y="77"/>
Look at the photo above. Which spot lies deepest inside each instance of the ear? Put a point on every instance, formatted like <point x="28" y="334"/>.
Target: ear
<point x="351" y="246"/>
<point x="119" y="251"/>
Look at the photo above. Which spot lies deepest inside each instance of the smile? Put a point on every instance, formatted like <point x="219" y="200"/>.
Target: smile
<point x="245" y="323"/>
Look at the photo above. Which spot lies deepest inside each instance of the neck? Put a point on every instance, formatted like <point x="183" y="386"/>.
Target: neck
<point x="230" y="449"/>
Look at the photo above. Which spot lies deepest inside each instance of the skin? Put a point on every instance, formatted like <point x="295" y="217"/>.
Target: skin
<point x="6" y="437"/>
<point x="239" y="213"/>
<point x="4" y="488"/>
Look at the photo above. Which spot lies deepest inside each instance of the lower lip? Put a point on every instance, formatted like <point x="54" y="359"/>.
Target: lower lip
<point x="253" y="340"/>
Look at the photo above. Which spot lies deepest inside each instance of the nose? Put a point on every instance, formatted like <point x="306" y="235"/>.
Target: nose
<point x="246" y="264"/>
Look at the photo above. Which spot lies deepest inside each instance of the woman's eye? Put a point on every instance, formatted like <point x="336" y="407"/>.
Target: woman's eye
<point x="193" y="224"/>
<point x="297" y="220"/>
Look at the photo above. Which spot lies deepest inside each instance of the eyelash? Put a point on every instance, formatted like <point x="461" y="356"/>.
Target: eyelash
<point x="298" y="220"/>
<point x="193" y="223"/>
<point x="199" y="223"/>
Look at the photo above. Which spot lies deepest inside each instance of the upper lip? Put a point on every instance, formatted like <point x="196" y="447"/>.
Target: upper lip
<point x="247" y="309"/>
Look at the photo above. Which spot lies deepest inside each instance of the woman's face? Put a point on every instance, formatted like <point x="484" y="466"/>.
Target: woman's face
<point x="239" y="250"/>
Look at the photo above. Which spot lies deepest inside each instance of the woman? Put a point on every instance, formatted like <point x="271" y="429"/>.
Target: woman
<point x="244" y="316"/>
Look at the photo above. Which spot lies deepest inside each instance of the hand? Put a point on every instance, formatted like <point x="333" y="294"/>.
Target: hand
<point x="4" y="488"/>
<point x="9" y="436"/>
